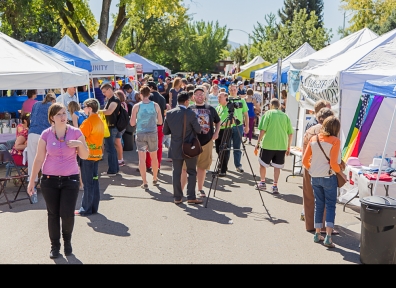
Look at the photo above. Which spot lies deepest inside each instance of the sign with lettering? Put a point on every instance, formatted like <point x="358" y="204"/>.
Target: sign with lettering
<point x="314" y="88"/>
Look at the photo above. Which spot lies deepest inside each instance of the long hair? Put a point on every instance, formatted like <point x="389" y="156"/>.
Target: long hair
<point x="49" y="98"/>
<point x="331" y="126"/>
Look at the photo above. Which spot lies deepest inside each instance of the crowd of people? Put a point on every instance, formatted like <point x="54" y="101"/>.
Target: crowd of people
<point x="67" y="141"/>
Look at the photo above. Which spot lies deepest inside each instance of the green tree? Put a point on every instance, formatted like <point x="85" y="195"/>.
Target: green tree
<point x="389" y="25"/>
<point x="156" y="38"/>
<point x="292" y="6"/>
<point x="266" y="32"/>
<point x="292" y="35"/>
<point x="369" y="13"/>
<point x="29" y="20"/>
<point x="202" y="46"/>
<point x="239" y="55"/>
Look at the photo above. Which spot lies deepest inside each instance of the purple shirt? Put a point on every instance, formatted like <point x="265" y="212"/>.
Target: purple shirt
<point x="27" y="105"/>
<point x="60" y="159"/>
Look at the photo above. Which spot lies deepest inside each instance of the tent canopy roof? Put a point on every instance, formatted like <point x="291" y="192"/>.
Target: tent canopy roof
<point x="255" y="61"/>
<point x="63" y="56"/>
<point x="25" y="67"/>
<point x="104" y="52"/>
<point x="148" y="65"/>
<point x="267" y="74"/>
<point x="100" y="67"/>
<point x="384" y="86"/>
<point x="338" y="48"/>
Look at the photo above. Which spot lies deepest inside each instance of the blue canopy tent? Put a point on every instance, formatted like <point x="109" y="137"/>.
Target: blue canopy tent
<point x="384" y="87"/>
<point x="283" y="77"/>
<point x="61" y="55"/>
<point x="65" y="57"/>
<point x="148" y="65"/>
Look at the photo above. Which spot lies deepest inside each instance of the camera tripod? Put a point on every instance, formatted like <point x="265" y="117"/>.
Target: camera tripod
<point x="225" y="145"/>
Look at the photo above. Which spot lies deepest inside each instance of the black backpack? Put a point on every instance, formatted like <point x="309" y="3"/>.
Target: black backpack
<point x="122" y="119"/>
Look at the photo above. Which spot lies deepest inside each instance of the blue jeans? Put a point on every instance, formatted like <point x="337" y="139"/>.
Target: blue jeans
<point x="236" y="144"/>
<point x="112" y="159"/>
<point x="91" y="196"/>
<point x="325" y="192"/>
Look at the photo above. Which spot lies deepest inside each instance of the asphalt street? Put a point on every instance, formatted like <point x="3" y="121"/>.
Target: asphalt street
<point x="240" y="225"/>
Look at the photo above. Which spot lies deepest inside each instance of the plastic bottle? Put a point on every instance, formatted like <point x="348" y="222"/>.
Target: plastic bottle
<point x="256" y="150"/>
<point x="34" y="196"/>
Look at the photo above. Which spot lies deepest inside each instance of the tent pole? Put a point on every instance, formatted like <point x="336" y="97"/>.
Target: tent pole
<point x="77" y="96"/>
<point x="383" y="152"/>
<point x="89" y="89"/>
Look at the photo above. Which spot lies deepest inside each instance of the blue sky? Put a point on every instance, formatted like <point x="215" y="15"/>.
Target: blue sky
<point x="244" y="15"/>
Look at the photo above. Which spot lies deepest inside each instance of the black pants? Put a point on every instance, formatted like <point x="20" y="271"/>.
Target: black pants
<point x="60" y="194"/>
<point x="224" y="149"/>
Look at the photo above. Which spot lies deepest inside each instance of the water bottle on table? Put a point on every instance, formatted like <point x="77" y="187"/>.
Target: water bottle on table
<point x="34" y="196"/>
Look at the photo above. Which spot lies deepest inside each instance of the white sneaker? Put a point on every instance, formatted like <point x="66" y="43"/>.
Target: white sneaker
<point x="239" y="169"/>
<point x="108" y="174"/>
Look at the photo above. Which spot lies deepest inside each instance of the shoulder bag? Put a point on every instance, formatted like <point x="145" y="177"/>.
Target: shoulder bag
<point x="191" y="148"/>
<point x="341" y="177"/>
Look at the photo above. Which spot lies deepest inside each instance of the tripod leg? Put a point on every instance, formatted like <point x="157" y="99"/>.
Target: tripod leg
<point x="250" y="165"/>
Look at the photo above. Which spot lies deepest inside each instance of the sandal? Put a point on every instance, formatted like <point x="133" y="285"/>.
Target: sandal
<point x="144" y="186"/>
<point x="201" y="193"/>
<point x="155" y="182"/>
<point x="318" y="238"/>
<point x="328" y="243"/>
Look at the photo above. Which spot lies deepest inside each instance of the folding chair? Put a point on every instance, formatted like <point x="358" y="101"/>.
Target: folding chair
<point x="12" y="166"/>
<point x="6" y="158"/>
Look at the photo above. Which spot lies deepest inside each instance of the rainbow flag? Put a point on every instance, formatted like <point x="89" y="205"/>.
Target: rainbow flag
<point x="365" y="114"/>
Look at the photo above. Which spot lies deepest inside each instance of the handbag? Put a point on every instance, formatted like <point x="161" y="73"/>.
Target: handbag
<point x="341" y="177"/>
<point x="191" y="148"/>
<point x="106" y="128"/>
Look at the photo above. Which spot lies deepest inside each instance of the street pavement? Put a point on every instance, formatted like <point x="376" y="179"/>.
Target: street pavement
<point x="239" y="225"/>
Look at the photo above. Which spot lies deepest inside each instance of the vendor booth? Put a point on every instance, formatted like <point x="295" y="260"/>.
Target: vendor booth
<point x="341" y="79"/>
<point x="371" y="132"/>
<point x="300" y="115"/>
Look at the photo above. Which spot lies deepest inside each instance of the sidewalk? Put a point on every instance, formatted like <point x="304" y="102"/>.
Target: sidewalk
<point x="239" y="226"/>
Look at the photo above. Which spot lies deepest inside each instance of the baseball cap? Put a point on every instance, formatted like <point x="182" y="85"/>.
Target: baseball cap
<point x="215" y="82"/>
<point x="240" y="83"/>
<point x="151" y="84"/>
<point x="199" y="87"/>
<point x="160" y="77"/>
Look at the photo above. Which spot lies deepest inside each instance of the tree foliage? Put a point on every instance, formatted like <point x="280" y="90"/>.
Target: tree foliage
<point x="156" y="38"/>
<point x="291" y="36"/>
<point x="31" y="20"/>
<point x="370" y="13"/>
<point x="292" y="6"/>
<point x="202" y="46"/>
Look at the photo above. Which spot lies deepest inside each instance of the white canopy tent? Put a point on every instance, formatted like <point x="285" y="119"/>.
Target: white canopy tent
<point x="148" y="65"/>
<point x="25" y="67"/>
<point x="266" y="74"/>
<point x="352" y="41"/>
<point x="104" y="52"/>
<point x="100" y="68"/>
<point x="341" y="79"/>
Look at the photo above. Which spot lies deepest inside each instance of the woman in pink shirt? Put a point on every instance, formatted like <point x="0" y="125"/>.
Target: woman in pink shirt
<point x="28" y="104"/>
<point x="60" y="181"/>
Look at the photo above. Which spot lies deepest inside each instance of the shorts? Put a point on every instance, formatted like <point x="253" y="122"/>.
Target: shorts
<point x="204" y="160"/>
<point x="274" y="158"/>
<point x="147" y="142"/>
<point x="119" y="134"/>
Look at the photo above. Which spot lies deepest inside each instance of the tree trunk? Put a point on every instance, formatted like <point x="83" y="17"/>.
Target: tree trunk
<point x="104" y="21"/>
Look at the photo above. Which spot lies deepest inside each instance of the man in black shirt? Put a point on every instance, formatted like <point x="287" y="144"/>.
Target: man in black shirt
<point x="160" y="100"/>
<point x="207" y="119"/>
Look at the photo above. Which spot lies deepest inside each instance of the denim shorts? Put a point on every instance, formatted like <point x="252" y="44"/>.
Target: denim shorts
<point x="119" y="134"/>
<point x="147" y="142"/>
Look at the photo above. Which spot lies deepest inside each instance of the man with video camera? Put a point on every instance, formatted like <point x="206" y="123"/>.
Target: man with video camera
<point x="240" y="112"/>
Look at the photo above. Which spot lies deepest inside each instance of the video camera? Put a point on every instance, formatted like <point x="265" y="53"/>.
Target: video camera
<point x="233" y="103"/>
